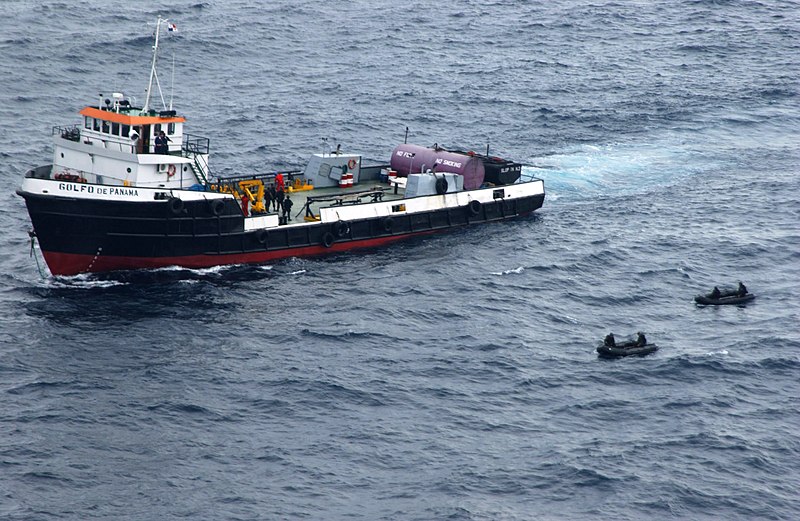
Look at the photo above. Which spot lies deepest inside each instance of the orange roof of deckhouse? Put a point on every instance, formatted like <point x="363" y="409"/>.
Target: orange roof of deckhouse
<point x="116" y="117"/>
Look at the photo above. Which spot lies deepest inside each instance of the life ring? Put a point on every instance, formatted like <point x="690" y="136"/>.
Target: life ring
<point x="341" y="228"/>
<point x="175" y="205"/>
<point x="388" y="224"/>
<point x="327" y="239"/>
<point x="441" y="185"/>
<point x="217" y="207"/>
<point x="262" y="236"/>
<point x="474" y="207"/>
<point x="170" y="171"/>
<point x="351" y="164"/>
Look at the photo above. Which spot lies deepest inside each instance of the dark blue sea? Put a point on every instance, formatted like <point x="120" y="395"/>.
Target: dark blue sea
<point x="450" y="377"/>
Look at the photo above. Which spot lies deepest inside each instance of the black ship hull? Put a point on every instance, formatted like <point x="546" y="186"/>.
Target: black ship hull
<point x="80" y="235"/>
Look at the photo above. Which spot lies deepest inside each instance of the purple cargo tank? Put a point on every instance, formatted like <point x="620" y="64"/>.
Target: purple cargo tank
<point x="411" y="159"/>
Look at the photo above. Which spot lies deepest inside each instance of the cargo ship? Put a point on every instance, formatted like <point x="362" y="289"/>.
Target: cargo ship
<point x="128" y="188"/>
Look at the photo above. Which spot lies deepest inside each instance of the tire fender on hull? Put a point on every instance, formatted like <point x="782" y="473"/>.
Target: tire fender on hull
<point x="341" y="229"/>
<point x="474" y="208"/>
<point x="216" y="206"/>
<point x="175" y="205"/>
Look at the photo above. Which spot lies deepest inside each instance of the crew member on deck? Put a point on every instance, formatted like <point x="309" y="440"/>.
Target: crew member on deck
<point x="279" y="195"/>
<point x="741" y="290"/>
<point x="245" y="205"/>
<point x="641" y="341"/>
<point x="161" y="143"/>
<point x="268" y="197"/>
<point x="609" y="340"/>
<point x="714" y="292"/>
<point x="287" y="209"/>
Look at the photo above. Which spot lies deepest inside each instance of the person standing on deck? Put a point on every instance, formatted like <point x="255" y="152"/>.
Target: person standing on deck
<point x="162" y="146"/>
<point x="245" y="205"/>
<point x="279" y="192"/>
<point x="279" y="196"/>
<point x="287" y="209"/>
<point x="269" y="196"/>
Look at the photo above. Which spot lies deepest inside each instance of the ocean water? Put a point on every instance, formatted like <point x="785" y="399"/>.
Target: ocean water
<point x="448" y="377"/>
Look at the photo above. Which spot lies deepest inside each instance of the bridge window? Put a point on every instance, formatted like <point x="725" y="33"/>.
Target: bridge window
<point x="115" y="129"/>
<point x="126" y="131"/>
<point x="87" y="122"/>
<point x="156" y="129"/>
<point x="105" y="127"/>
<point x="97" y="125"/>
<point x="170" y="128"/>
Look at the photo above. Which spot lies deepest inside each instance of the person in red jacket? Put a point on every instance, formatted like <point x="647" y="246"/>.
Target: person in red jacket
<point x="245" y="205"/>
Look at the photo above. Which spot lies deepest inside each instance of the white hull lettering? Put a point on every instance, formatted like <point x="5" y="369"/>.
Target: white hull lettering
<point x="98" y="190"/>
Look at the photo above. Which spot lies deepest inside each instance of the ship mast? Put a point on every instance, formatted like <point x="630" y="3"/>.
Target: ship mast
<point x="153" y="69"/>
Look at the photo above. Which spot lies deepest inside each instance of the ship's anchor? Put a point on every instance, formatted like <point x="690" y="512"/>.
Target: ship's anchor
<point x="32" y="235"/>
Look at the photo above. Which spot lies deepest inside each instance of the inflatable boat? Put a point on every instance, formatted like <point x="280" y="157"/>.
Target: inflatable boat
<point x="722" y="300"/>
<point x="626" y="349"/>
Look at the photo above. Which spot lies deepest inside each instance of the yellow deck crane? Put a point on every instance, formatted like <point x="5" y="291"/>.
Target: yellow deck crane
<point x="245" y="187"/>
<point x="257" y="200"/>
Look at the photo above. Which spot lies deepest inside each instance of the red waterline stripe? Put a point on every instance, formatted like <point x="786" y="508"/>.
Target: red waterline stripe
<point x="75" y="263"/>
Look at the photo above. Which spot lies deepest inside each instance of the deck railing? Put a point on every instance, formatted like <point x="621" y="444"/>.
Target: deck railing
<point x="71" y="132"/>
<point x="195" y="144"/>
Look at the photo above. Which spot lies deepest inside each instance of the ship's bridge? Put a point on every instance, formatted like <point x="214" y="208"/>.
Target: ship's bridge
<point x="124" y="128"/>
<point x="116" y="144"/>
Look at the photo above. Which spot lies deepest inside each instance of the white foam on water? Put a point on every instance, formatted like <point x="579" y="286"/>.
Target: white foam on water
<point x="508" y="272"/>
<point x="612" y="169"/>
<point x="214" y="270"/>
<point x="82" y="281"/>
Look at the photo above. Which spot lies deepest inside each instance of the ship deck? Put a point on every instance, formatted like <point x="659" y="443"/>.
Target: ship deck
<point x="307" y="203"/>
